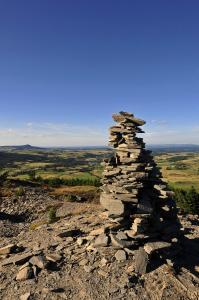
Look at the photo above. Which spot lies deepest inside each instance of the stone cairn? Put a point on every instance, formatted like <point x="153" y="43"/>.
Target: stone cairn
<point x="138" y="204"/>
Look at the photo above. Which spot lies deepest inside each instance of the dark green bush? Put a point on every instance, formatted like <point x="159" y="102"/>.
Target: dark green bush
<point x="54" y="182"/>
<point x="39" y="179"/>
<point x="3" y="177"/>
<point x="32" y="175"/>
<point x="52" y="215"/>
<point x="187" y="200"/>
<point x="71" y="198"/>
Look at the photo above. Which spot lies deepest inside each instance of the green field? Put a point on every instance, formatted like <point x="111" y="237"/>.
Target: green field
<point x="179" y="169"/>
<point x="53" y="164"/>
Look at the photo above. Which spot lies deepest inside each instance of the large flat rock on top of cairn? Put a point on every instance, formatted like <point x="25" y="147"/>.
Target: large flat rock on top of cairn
<point x="127" y="117"/>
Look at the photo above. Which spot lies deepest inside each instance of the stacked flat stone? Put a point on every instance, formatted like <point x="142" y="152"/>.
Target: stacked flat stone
<point x="133" y="192"/>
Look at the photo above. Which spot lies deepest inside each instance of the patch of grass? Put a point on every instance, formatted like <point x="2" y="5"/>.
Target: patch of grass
<point x="79" y="189"/>
<point x="19" y="192"/>
<point x="35" y="226"/>
<point x="180" y="169"/>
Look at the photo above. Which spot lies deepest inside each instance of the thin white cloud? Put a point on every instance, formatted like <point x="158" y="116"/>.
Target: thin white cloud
<point x="172" y="136"/>
<point x="159" y="122"/>
<point x="52" y="134"/>
<point x="63" y="134"/>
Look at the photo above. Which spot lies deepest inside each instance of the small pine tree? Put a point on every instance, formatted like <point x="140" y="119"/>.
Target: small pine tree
<point x="52" y="215"/>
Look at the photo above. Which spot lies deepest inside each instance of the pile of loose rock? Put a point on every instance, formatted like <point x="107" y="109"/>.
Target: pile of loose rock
<point x="139" y="206"/>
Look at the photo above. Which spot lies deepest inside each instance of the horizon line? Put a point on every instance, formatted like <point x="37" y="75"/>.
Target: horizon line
<point x="97" y="146"/>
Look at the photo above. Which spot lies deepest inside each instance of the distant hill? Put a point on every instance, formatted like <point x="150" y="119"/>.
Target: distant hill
<point x="155" y="148"/>
<point x="20" y="148"/>
<point x="174" y="148"/>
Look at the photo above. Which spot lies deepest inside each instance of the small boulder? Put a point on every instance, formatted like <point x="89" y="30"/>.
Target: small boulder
<point x="17" y="259"/>
<point x="69" y="233"/>
<point x="120" y="255"/>
<point x="155" y="246"/>
<point x="121" y="235"/>
<point x="141" y="261"/>
<point x="103" y="262"/>
<point x="25" y="273"/>
<point x="25" y="296"/>
<point x="97" y="231"/>
<point x="39" y="261"/>
<point x="88" y="269"/>
<point x="120" y="244"/>
<point x="62" y="211"/>
<point x="54" y="257"/>
<point x="101" y="241"/>
<point x="80" y="241"/>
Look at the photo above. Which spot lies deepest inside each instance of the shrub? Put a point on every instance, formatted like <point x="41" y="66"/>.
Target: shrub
<point x="72" y="198"/>
<point x="3" y="177"/>
<point x="52" y="215"/>
<point x="39" y="179"/>
<point x="53" y="182"/>
<point x="19" y="191"/>
<point x="187" y="200"/>
<point x="32" y="175"/>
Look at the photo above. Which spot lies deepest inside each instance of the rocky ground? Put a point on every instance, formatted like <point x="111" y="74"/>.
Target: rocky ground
<point x="69" y="258"/>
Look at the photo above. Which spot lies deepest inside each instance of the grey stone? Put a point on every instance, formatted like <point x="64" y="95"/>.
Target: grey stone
<point x="156" y="246"/>
<point x="88" y="269"/>
<point x="120" y="244"/>
<point x="141" y="261"/>
<point x="114" y="207"/>
<point x="144" y="205"/>
<point x="121" y="235"/>
<point x="17" y="259"/>
<point x="39" y="261"/>
<point x="7" y="249"/>
<point x="62" y="212"/>
<point x="54" y="257"/>
<point x="101" y="241"/>
<point x="120" y="255"/>
<point x="80" y="241"/>
<point x="97" y="231"/>
<point x="103" y="262"/>
<point x="126" y="198"/>
<point x="24" y="274"/>
<point x="69" y="233"/>
<point x="116" y="171"/>
<point x="25" y="296"/>
<point x="27" y="264"/>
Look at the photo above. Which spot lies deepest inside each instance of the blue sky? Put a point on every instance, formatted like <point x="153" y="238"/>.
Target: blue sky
<point x="67" y="65"/>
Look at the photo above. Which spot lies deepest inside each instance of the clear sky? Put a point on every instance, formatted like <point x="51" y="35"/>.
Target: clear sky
<point x="67" y="65"/>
